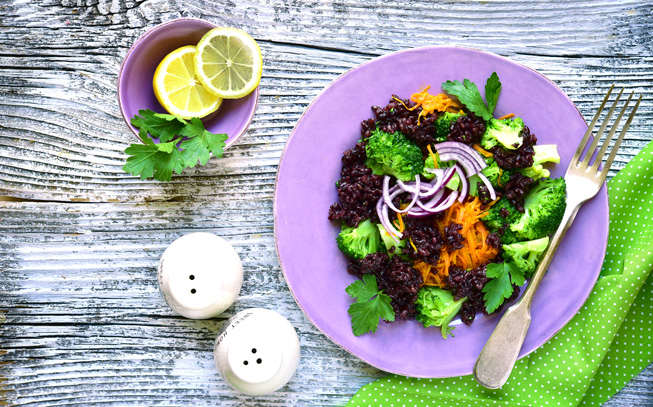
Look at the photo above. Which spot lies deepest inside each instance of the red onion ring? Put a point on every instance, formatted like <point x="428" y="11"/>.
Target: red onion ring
<point x="488" y="184"/>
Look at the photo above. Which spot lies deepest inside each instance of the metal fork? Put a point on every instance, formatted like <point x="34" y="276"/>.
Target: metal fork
<point x="499" y="355"/>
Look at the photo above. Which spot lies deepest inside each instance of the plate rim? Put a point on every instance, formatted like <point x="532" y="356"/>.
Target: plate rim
<point x="586" y="293"/>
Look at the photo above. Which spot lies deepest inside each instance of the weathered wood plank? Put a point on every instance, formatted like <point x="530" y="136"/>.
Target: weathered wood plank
<point x="83" y="321"/>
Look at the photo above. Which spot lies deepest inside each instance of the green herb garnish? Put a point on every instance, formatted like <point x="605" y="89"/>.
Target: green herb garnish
<point x="371" y="304"/>
<point x="182" y="144"/>
<point x="468" y="94"/>
<point x="503" y="276"/>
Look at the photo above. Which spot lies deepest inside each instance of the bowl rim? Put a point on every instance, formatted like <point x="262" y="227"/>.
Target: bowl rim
<point x="147" y="34"/>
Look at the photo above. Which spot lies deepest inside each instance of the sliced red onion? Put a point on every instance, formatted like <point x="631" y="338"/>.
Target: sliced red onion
<point x="488" y="184"/>
<point x="439" y="172"/>
<point x="465" y="155"/>
<point x="447" y="202"/>
<point x="464" y="184"/>
<point x="388" y="197"/>
<point x="387" y="225"/>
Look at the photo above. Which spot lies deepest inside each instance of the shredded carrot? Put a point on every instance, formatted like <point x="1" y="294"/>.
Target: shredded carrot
<point x="481" y="150"/>
<point x="499" y="179"/>
<point x="435" y="162"/>
<point x="508" y="116"/>
<point x="475" y="249"/>
<point x="401" y="223"/>
<point x="492" y="203"/>
<point x="412" y="244"/>
<point x="431" y="103"/>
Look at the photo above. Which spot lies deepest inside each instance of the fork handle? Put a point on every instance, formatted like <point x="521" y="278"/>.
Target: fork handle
<point x="498" y="357"/>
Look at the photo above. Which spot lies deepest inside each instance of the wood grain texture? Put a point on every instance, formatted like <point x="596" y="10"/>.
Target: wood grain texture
<point x="83" y="321"/>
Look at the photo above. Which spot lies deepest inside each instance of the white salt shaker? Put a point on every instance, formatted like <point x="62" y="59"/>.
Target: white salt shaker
<point x="200" y="275"/>
<point x="257" y="351"/>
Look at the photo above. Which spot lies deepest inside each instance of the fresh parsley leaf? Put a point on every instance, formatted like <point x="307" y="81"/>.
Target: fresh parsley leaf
<point x="200" y="143"/>
<point x="370" y="305"/>
<point x="160" y="160"/>
<point x="503" y="276"/>
<point x="468" y="94"/>
<point x="164" y="127"/>
<point x="492" y="90"/>
<point x="150" y="160"/>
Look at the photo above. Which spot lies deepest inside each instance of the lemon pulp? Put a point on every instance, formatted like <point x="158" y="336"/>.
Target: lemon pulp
<point x="177" y="89"/>
<point x="228" y="62"/>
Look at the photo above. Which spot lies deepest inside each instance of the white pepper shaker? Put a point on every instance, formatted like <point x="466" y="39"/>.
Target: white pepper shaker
<point x="200" y="275"/>
<point x="257" y="351"/>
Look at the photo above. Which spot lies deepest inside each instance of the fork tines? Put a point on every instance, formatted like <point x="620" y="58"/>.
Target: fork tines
<point x="592" y="149"/>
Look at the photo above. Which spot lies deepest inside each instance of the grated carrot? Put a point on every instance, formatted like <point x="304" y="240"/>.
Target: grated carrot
<point x="435" y="161"/>
<point x="481" y="150"/>
<point x="475" y="249"/>
<point x="431" y="103"/>
<point x="508" y="116"/>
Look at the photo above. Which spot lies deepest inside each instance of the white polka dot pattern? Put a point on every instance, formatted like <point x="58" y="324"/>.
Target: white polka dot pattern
<point x="608" y="342"/>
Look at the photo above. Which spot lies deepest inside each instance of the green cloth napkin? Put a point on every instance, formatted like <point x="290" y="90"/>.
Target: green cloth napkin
<point x="605" y="345"/>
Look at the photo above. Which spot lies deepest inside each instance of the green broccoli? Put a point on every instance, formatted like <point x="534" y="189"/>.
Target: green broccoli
<point x="492" y="172"/>
<point x="443" y="125"/>
<point x="436" y="307"/>
<point x="494" y="220"/>
<point x="526" y="255"/>
<point x="505" y="132"/>
<point x="547" y="153"/>
<point x="544" y="207"/>
<point x="393" y="154"/>
<point x="360" y="241"/>
<point x="389" y="242"/>
<point x="453" y="183"/>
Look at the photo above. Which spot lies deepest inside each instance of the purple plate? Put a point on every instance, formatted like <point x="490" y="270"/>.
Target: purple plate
<point x="316" y="270"/>
<point x="135" y="91"/>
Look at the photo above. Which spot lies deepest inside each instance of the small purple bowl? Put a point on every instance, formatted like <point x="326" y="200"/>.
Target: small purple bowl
<point x="135" y="91"/>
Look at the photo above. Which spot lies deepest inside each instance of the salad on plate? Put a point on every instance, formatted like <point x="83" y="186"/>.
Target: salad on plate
<point x="444" y="209"/>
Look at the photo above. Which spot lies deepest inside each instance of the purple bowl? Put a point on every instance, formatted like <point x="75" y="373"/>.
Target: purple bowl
<point x="135" y="91"/>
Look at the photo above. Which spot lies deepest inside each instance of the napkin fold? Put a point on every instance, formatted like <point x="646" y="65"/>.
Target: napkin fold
<point x="607" y="343"/>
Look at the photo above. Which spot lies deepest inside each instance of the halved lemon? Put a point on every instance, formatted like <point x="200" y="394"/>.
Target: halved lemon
<point x="177" y="88"/>
<point x="228" y="62"/>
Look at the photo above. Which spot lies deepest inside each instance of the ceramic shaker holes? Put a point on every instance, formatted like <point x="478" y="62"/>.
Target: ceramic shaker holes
<point x="257" y="351"/>
<point x="200" y="275"/>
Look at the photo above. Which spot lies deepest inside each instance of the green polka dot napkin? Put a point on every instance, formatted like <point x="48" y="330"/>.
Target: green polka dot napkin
<point x="607" y="343"/>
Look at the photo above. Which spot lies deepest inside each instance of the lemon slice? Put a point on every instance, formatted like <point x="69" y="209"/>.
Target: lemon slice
<point x="177" y="89"/>
<point x="228" y="62"/>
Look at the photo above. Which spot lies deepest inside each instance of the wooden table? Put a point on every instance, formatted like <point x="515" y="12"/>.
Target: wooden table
<point x="84" y="323"/>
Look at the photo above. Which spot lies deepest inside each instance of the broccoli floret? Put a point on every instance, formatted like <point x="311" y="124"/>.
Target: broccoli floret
<point x="360" y="241"/>
<point x="494" y="219"/>
<point x="526" y="255"/>
<point x="492" y="172"/>
<point x="436" y="307"/>
<point x="544" y="207"/>
<point x="443" y="124"/>
<point x="505" y="132"/>
<point x="393" y="154"/>
<point x="389" y="242"/>
<point x="547" y="153"/>
<point x="453" y="183"/>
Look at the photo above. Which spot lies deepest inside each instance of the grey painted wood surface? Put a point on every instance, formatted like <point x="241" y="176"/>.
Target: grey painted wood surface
<point x="83" y="322"/>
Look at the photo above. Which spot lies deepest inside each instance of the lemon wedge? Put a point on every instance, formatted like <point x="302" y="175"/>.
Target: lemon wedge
<point x="228" y="62"/>
<point x="177" y="89"/>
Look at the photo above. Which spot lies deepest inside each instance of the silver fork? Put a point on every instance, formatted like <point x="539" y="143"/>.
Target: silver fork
<point x="499" y="355"/>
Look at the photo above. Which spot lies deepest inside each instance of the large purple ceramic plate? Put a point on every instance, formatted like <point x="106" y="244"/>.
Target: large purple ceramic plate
<point x="316" y="270"/>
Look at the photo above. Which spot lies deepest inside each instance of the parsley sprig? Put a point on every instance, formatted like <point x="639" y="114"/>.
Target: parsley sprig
<point x="182" y="144"/>
<point x="371" y="304"/>
<point x="499" y="288"/>
<point x="468" y="94"/>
